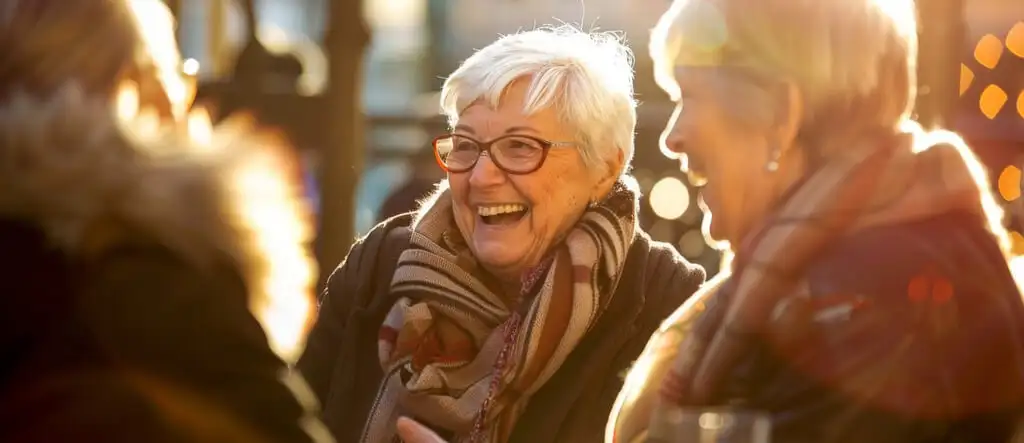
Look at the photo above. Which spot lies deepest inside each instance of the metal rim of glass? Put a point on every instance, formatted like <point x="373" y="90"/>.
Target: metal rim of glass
<point x="503" y="160"/>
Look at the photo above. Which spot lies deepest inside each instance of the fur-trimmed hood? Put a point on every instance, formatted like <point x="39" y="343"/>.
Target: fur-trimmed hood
<point x="92" y="180"/>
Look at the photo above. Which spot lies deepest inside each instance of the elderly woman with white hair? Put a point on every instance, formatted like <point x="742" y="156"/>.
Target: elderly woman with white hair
<point x="508" y="307"/>
<point x="869" y="297"/>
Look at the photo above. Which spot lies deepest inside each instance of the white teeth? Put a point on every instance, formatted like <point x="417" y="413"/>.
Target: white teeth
<point x="697" y="179"/>
<point x="499" y="209"/>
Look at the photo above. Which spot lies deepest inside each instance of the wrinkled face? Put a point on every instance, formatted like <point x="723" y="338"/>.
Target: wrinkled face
<point x="510" y="221"/>
<point x="723" y="149"/>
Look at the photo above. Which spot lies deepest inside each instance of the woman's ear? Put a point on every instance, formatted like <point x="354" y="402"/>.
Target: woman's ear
<point x="608" y="177"/>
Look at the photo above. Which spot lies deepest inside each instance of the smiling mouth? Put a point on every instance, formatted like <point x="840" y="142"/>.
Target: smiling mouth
<point x="504" y="214"/>
<point x="697" y="179"/>
<point x="693" y="170"/>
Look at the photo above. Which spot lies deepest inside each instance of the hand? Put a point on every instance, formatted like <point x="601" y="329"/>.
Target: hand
<point x="413" y="432"/>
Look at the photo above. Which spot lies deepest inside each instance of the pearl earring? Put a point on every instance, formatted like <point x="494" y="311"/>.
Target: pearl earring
<point x="773" y="164"/>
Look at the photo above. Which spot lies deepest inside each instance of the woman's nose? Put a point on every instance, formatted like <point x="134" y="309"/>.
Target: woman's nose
<point x="485" y="172"/>
<point x="672" y="144"/>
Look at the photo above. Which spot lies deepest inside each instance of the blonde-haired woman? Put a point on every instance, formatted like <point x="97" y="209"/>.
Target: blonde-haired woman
<point x="869" y="298"/>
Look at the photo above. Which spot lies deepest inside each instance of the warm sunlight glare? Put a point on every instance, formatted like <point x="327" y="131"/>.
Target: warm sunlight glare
<point x="282" y="300"/>
<point x="199" y="127"/>
<point x="156" y="23"/>
<point x="285" y="310"/>
<point x="128" y="100"/>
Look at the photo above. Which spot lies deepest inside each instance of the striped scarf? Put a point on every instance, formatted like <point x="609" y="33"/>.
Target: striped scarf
<point x="456" y="356"/>
<point x="685" y="362"/>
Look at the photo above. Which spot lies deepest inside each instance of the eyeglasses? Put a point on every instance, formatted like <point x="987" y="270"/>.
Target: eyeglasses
<point x="514" y="154"/>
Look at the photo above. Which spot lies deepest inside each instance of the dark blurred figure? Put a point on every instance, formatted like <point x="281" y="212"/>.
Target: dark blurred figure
<point x="126" y="271"/>
<point x="420" y="184"/>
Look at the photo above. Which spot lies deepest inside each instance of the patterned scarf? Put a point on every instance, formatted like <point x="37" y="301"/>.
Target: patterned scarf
<point x="911" y="178"/>
<point x="456" y="356"/>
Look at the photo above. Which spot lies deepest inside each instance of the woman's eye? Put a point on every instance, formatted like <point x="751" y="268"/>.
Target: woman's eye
<point x="523" y="144"/>
<point x="465" y="146"/>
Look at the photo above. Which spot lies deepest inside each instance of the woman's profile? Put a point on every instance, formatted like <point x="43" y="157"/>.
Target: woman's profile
<point x="869" y="298"/>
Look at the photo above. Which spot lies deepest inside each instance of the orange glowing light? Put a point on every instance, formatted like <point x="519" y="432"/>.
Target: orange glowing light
<point x="1015" y="39"/>
<point x="992" y="100"/>
<point x="966" y="78"/>
<point x="1016" y="243"/>
<point x="1020" y="104"/>
<point x="988" y="51"/>
<point x="1009" y="183"/>
<point x="930" y="287"/>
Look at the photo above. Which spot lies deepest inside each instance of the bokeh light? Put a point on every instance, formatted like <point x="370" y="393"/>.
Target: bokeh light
<point x="966" y="78"/>
<point x="1020" y="104"/>
<point x="1009" y="183"/>
<point x="662" y="230"/>
<point x="1016" y="243"/>
<point x="644" y="178"/>
<point x="1015" y="39"/>
<point x="930" y="287"/>
<point x="692" y="244"/>
<point x="669" y="198"/>
<point x="992" y="100"/>
<point x="988" y="51"/>
<point x="190" y="67"/>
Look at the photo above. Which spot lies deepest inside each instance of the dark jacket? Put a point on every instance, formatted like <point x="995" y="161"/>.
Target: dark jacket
<point x="925" y="343"/>
<point x="125" y="291"/>
<point x="341" y="362"/>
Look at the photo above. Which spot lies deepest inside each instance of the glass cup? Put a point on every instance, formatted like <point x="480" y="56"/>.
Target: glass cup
<point x="710" y="425"/>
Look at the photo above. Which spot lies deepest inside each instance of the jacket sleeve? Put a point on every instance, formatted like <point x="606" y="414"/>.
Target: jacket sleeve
<point x="188" y="338"/>
<point x="350" y="285"/>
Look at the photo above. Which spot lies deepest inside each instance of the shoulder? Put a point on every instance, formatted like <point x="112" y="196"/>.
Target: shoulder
<point x="885" y="259"/>
<point x="666" y="277"/>
<point x="661" y="261"/>
<point x="388" y="237"/>
<point x="372" y="257"/>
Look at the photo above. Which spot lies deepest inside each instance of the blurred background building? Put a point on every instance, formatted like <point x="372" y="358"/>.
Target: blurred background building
<point x="354" y="87"/>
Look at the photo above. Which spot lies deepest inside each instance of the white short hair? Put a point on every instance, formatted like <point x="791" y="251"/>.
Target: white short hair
<point x="852" y="56"/>
<point x="586" y="77"/>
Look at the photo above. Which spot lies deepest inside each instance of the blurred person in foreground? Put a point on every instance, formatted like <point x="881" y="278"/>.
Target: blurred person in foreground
<point x="508" y="305"/>
<point x="130" y="253"/>
<point x="869" y="298"/>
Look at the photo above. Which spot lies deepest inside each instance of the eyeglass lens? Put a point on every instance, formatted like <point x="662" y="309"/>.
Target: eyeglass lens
<point x="514" y="153"/>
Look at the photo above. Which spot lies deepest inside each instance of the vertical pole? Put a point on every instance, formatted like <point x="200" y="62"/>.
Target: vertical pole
<point x="942" y="32"/>
<point x="215" y="38"/>
<point x="437" y="17"/>
<point x="341" y="164"/>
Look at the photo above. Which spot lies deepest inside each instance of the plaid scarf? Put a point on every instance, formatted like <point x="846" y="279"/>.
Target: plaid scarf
<point x="456" y="356"/>
<point x="911" y="178"/>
